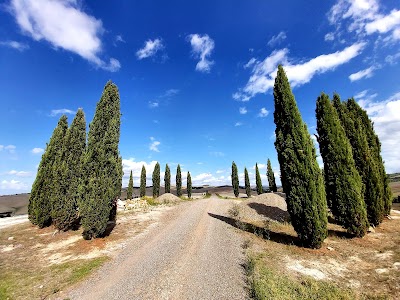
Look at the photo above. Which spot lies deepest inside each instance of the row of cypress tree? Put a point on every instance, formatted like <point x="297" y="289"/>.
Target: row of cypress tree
<point x="353" y="183"/>
<point x="156" y="182"/>
<point x="78" y="183"/>
<point x="259" y="187"/>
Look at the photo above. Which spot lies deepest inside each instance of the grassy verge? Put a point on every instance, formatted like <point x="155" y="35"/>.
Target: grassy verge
<point x="266" y="283"/>
<point x="18" y="283"/>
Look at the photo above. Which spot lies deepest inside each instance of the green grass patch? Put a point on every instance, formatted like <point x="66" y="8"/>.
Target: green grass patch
<point x="266" y="283"/>
<point x="150" y="201"/>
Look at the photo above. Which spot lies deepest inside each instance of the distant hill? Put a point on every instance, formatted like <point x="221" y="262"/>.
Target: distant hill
<point x="395" y="177"/>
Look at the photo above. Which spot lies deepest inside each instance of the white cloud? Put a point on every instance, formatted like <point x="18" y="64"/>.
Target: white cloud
<point x="136" y="167"/>
<point x="154" y="145"/>
<point x="330" y="36"/>
<point x="242" y="110"/>
<point x="8" y="148"/>
<point x="153" y="104"/>
<point x="217" y="153"/>
<point x="209" y="179"/>
<point x="15" y="45"/>
<point x="64" y="25"/>
<point x="12" y="185"/>
<point x="151" y="47"/>
<point x="170" y="93"/>
<point x="118" y="39"/>
<point x="56" y="112"/>
<point x="263" y="113"/>
<point x="263" y="73"/>
<point x="19" y="173"/>
<point x="277" y="39"/>
<point x="202" y="47"/>
<point x="366" y="73"/>
<point x="220" y="171"/>
<point x="250" y="63"/>
<point x="386" y="119"/>
<point x="237" y="124"/>
<point x="383" y="24"/>
<point x="393" y="59"/>
<point x="37" y="150"/>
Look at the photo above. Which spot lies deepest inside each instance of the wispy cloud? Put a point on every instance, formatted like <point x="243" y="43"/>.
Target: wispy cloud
<point x="277" y="39"/>
<point x="19" y="173"/>
<point x="217" y="153"/>
<point x="202" y="47"/>
<point x="154" y="145"/>
<point x="153" y="104"/>
<point x="237" y="124"/>
<point x="242" y="110"/>
<point x="12" y="185"/>
<point x="64" y="25"/>
<point x="366" y="73"/>
<point x="8" y="148"/>
<point x="263" y="113"/>
<point x="37" y="150"/>
<point x="15" y="45"/>
<point x="56" y="112"/>
<point x="263" y="72"/>
<point x="150" y="48"/>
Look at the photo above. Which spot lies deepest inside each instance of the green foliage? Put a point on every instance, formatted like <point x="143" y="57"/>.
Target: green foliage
<point x="247" y="182"/>
<point x="129" y="193"/>
<point x="189" y="185"/>
<point x="271" y="178"/>
<point x="302" y="180"/>
<point x="156" y="180"/>
<point x="178" y="181"/>
<point x="366" y="165"/>
<point x="102" y="165"/>
<point x="343" y="183"/>
<point x="235" y="179"/>
<point x="143" y="182"/>
<point x="167" y="179"/>
<point x="259" y="186"/>
<point x="68" y="173"/>
<point x="40" y="206"/>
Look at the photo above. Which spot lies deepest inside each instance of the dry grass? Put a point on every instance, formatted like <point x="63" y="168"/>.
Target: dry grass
<point x="37" y="263"/>
<point x="344" y="268"/>
<point x="395" y="187"/>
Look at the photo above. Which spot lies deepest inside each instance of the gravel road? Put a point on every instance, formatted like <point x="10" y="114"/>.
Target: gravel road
<point x="187" y="255"/>
<point x="10" y="221"/>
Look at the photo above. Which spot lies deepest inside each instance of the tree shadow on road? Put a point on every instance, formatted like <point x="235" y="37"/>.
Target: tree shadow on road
<point x="265" y="233"/>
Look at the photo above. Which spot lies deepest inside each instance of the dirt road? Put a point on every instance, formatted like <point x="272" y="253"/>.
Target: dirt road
<point x="189" y="254"/>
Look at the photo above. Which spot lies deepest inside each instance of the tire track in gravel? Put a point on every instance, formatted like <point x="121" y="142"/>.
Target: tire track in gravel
<point x="187" y="255"/>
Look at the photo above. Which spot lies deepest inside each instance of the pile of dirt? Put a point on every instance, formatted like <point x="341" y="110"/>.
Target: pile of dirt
<point x="167" y="198"/>
<point x="265" y="206"/>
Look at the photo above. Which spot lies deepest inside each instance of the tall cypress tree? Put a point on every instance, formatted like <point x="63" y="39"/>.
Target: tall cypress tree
<point x="69" y="172"/>
<point x="302" y="180"/>
<point x="167" y="179"/>
<point x="235" y="179"/>
<point x="156" y="181"/>
<point x="143" y="182"/>
<point x="103" y="165"/>
<point x="178" y="181"/>
<point x="365" y="164"/>
<point x="129" y="192"/>
<point x="271" y="177"/>
<point x="189" y="185"/>
<point x="247" y="182"/>
<point x="40" y="206"/>
<point x="343" y="183"/>
<point x="259" y="186"/>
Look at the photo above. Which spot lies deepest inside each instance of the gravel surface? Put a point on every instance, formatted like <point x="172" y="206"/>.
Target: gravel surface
<point x="10" y="221"/>
<point x="188" y="254"/>
<point x="265" y="206"/>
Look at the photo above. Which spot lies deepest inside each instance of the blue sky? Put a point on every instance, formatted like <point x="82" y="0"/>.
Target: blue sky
<point x="195" y="79"/>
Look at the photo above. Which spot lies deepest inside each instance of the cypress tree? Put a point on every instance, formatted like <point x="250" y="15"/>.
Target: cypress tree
<point x="302" y="180"/>
<point x="365" y="164"/>
<point x="271" y="177"/>
<point x="40" y="206"/>
<point x="103" y="165"/>
<point x="259" y="186"/>
<point x="68" y="171"/>
<point x="189" y="185"/>
<point x="143" y="182"/>
<point x="343" y="183"/>
<point x="167" y="179"/>
<point x="129" y="192"/>
<point x="178" y="181"/>
<point x="156" y="181"/>
<point x="235" y="179"/>
<point x="247" y="182"/>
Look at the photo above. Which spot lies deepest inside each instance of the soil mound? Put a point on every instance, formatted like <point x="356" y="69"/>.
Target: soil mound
<point x="265" y="206"/>
<point x="167" y="198"/>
